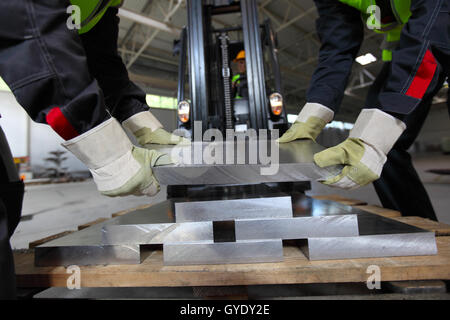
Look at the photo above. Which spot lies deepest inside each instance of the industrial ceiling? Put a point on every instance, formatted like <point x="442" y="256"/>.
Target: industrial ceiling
<point x="148" y="29"/>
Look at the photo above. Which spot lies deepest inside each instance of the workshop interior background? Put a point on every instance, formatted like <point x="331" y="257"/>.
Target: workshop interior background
<point x="59" y="192"/>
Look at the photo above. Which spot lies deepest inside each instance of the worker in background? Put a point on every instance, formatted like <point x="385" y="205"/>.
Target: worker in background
<point x="239" y="81"/>
<point x="416" y="52"/>
<point x="80" y="88"/>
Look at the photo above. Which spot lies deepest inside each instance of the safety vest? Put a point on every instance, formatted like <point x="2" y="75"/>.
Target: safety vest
<point x="92" y="11"/>
<point x="236" y="80"/>
<point x="392" y="28"/>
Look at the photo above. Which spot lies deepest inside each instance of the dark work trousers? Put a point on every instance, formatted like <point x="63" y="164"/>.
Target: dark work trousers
<point x="11" y="195"/>
<point x="399" y="186"/>
<point x="44" y="64"/>
<point x="123" y="98"/>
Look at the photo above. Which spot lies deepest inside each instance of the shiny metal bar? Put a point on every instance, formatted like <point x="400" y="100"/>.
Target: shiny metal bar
<point x="297" y="228"/>
<point x="83" y="255"/>
<point x="221" y="210"/>
<point x="242" y="163"/>
<point x="157" y="233"/>
<point x="372" y="246"/>
<point x="379" y="237"/>
<point x="245" y="229"/>
<point x="208" y="252"/>
<point x="155" y="225"/>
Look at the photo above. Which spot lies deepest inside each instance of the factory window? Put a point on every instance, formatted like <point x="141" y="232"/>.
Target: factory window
<point x="162" y="102"/>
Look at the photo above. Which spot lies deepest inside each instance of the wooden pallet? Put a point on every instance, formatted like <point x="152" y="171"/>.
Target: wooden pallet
<point x="295" y="269"/>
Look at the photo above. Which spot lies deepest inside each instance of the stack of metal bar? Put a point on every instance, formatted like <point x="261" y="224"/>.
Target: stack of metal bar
<point x="246" y="227"/>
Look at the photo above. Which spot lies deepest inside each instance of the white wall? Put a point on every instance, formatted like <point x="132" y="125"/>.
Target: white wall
<point x="14" y="124"/>
<point x="18" y="127"/>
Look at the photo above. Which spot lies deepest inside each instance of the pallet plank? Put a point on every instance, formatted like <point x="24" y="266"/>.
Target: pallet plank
<point x="36" y="243"/>
<point x="439" y="228"/>
<point x="387" y="213"/>
<point x="296" y="269"/>
<point x="342" y="200"/>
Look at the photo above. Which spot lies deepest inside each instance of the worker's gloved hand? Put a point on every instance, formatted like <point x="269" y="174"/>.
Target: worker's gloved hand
<point x="363" y="154"/>
<point x="118" y="167"/>
<point x="310" y="122"/>
<point x="148" y="130"/>
<point x="159" y="136"/>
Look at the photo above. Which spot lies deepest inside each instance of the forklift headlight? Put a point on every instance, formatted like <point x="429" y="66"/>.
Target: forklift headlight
<point x="276" y="103"/>
<point x="183" y="111"/>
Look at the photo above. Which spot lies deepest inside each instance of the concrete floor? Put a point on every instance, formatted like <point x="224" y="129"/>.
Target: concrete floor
<point x="50" y="209"/>
<point x="54" y="208"/>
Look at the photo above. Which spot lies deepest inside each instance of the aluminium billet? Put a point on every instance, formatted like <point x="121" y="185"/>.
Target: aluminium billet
<point x="372" y="246"/>
<point x="248" y="229"/>
<point x="297" y="228"/>
<point x="87" y="255"/>
<point x="220" y="210"/>
<point x="208" y="252"/>
<point x="157" y="233"/>
<point x="379" y="237"/>
<point x="294" y="163"/>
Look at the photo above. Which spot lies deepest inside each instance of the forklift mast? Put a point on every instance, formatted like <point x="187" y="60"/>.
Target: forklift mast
<point x="205" y="62"/>
<point x="205" y="54"/>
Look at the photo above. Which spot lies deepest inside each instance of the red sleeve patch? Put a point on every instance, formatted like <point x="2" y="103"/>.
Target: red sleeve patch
<point x="59" y="123"/>
<point x="423" y="77"/>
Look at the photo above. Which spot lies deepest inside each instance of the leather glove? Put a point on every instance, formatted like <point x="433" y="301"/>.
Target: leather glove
<point x="148" y="130"/>
<point x="310" y="122"/>
<point x="118" y="167"/>
<point x="364" y="152"/>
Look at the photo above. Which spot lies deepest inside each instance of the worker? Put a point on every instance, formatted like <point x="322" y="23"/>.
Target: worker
<point x="125" y="101"/>
<point x="416" y="52"/>
<point x="80" y="88"/>
<point x="11" y="196"/>
<point x="239" y="81"/>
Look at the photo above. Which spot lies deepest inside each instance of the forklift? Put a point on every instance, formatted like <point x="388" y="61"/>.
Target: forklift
<point x="204" y="61"/>
<point x="205" y="54"/>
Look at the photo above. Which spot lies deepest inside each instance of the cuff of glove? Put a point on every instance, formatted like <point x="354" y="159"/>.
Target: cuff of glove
<point x="101" y="145"/>
<point x="315" y="110"/>
<point x="378" y="129"/>
<point x="141" y="120"/>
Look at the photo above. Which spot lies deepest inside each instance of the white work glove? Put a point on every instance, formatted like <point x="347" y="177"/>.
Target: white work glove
<point x="364" y="152"/>
<point x="310" y="122"/>
<point x="148" y="130"/>
<point x="118" y="167"/>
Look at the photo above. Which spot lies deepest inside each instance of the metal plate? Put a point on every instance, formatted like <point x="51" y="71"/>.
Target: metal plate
<point x="379" y="237"/>
<point x="374" y="246"/>
<point x="157" y="233"/>
<point x="77" y="244"/>
<point x="208" y="252"/>
<point x="221" y="210"/>
<point x="297" y="228"/>
<point x="294" y="163"/>
<point x="87" y="255"/>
